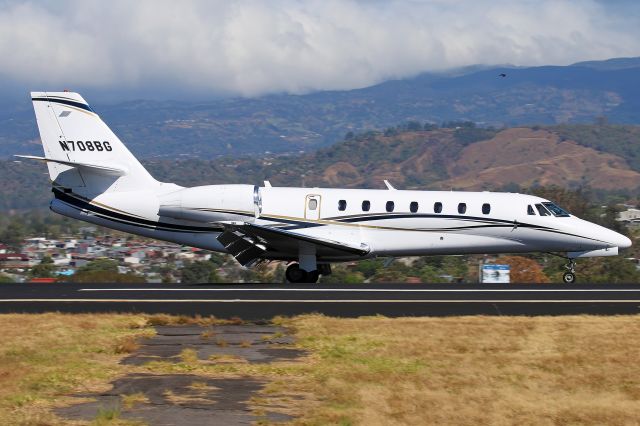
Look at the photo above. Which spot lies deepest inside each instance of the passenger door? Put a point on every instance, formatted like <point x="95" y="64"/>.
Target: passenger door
<point x="312" y="207"/>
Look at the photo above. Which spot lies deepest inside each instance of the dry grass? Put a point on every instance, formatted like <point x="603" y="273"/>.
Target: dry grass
<point x="43" y="357"/>
<point x="164" y="319"/>
<point x="133" y="399"/>
<point x="457" y="371"/>
<point x="189" y="356"/>
<point x="207" y="334"/>
<point x="202" y="387"/>
<point x="374" y="371"/>
<point x="226" y="358"/>
<point x="127" y="345"/>
<point x="186" y="399"/>
<point x="474" y="370"/>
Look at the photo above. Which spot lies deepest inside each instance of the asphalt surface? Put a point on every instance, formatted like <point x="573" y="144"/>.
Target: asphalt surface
<point x="255" y="302"/>
<point x="172" y="397"/>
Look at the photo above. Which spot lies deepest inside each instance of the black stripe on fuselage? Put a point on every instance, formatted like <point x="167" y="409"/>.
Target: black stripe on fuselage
<point x="385" y="216"/>
<point x="64" y="101"/>
<point x="485" y="223"/>
<point x="128" y="219"/>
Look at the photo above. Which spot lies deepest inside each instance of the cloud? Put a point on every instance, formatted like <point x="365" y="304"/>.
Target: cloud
<point x="251" y="48"/>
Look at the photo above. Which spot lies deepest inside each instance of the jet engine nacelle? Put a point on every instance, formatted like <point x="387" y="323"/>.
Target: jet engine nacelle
<point x="212" y="203"/>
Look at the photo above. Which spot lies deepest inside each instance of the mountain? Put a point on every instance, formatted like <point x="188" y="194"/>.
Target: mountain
<point x="578" y="93"/>
<point x="610" y="64"/>
<point x="460" y="157"/>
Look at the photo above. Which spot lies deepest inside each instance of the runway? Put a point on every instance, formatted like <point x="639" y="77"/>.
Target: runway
<point x="255" y="302"/>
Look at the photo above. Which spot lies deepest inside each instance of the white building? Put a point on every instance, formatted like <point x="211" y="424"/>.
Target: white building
<point x="629" y="216"/>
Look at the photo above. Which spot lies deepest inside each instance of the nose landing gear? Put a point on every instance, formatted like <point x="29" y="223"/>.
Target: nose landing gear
<point x="569" y="277"/>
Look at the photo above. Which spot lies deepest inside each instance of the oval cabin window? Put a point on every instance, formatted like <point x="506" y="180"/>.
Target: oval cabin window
<point x="462" y="208"/>
<point x="313" y="204"/>
<point x="366" y="205"/>
<point x="342" y="205"/>
<point x="413" y="207"/>
<point x="486" y="208"/>
<point x="390" y="206"/>
<point x="437" y="207"/>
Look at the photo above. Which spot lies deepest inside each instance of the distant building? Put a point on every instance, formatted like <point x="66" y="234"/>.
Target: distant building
<point x="43" y="280"/>
<point x="631" y="216"/>
<point x="14" y="260"/>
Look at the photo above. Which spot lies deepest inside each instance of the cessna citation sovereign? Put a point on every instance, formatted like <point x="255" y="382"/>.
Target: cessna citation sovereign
<point x="96" y="179"/>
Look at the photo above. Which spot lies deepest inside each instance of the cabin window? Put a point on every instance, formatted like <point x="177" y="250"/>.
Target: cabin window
<point x="342" y="205"/>
<point x="437" y="207"/>
<point x="542" y="211"/>
<point x="530" y="210"/>
<point x="366" y="205"/>
<point x="486" y="208"/>
<point x="313" y="204"/>
<point x="390" y="205"/>
<point x="413" y="207"/>
<point x="462" y="208"/>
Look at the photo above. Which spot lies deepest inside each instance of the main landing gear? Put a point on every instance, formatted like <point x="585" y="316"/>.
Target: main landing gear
<point x="307" y="270"/>
<point x="569" y="277"/>
<point x="295" y="274"/>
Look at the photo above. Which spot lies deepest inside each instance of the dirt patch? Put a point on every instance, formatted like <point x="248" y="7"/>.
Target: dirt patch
<point x="253" y="343"/>
<point x="175" y="399"/>
<point x="192" y="399"/>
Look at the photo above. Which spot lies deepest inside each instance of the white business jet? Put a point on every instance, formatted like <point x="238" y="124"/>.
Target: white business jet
<point x="96" y="179"/>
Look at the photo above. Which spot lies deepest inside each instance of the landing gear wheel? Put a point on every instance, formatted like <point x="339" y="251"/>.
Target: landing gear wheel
<point x="312" y="277"/>
<point x="569" y="277"/>
<point x="295" y="275"/>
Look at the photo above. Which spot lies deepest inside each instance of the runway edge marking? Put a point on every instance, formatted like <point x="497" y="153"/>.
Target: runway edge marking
<point x="315" y="301"/>
<point x="362" y="290"/>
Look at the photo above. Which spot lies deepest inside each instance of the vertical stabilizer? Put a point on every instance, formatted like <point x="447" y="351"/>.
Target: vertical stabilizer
<point x="71" y="132"/>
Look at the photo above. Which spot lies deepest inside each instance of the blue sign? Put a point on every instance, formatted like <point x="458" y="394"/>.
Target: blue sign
<point x="495" y="274"/>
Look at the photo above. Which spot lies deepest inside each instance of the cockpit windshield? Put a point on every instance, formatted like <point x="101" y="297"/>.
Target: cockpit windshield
<point x="542" y="211"/>
<point x="557" y="211"/>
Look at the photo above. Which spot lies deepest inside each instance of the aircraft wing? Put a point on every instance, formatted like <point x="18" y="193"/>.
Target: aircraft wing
<point x="248" y="242"/>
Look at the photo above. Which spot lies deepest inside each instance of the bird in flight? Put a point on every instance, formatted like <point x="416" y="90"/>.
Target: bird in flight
<point x="502" y="74"/>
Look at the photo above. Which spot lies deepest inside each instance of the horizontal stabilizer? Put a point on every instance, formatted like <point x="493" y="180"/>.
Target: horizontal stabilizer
<point x="96" y="168"/>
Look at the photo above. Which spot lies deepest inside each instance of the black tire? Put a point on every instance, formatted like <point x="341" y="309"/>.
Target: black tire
<point x="569" y="278"/>
<point x="296" y="275"/>
<point x="312" y="277"/>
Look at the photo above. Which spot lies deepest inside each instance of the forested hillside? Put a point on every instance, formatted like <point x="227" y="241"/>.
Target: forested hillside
<point x="602" y="158"/>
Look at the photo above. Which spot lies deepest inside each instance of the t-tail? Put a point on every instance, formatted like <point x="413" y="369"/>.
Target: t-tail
<point x="83" y="155"/>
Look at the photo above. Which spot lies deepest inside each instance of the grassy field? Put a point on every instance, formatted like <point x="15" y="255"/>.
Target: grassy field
<point x="44" y="357"/>
<point x="373" y="371"/>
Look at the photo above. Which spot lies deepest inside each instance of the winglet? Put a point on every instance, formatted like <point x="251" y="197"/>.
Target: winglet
<point x="389" y="186"/>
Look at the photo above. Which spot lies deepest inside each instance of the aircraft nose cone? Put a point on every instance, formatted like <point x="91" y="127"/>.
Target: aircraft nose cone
<point x="623" y="242"/>
<point x="618" y="240"/>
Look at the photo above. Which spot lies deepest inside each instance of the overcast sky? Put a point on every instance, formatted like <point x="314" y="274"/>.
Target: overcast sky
<point x="159" y="48"/>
